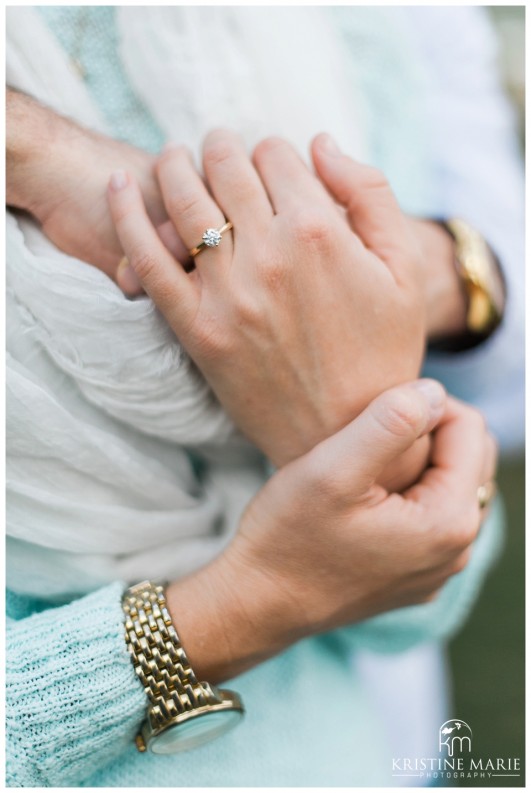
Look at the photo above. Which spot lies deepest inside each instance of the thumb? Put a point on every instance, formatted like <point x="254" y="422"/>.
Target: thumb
<point x="372" y="209"/>
<point x="357" y="454"/>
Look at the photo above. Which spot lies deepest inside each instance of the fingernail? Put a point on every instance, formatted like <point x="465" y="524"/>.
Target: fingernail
<point x="127" y="279"/>
<point x="119" y="180"/>
<point x="329" y="145"/>
<point x="434" y="394"/>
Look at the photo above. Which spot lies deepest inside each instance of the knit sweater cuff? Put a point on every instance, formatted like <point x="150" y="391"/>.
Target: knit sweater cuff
<point x="73" y="699"/>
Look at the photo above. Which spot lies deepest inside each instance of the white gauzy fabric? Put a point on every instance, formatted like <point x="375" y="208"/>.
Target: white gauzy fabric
<point x="261" y="70"/>
<point x="101" y="399"/>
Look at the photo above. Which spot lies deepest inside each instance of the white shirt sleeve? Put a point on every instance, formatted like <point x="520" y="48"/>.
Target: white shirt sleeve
<point x="478" y="175"/>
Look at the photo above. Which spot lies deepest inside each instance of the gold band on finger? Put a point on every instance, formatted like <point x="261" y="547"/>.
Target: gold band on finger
<point x="486" y="493"/>
<point x="211" y="238"/>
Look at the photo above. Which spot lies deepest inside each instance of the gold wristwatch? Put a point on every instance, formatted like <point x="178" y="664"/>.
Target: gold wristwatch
<point x="182" y="712"/>
<point x="483" y="285"/>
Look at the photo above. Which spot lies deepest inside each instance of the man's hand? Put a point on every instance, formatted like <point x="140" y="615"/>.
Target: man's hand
<point x="58" y="172"/>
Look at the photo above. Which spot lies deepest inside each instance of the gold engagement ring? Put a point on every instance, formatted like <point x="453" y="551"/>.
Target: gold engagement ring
<point x="211" y="238"/>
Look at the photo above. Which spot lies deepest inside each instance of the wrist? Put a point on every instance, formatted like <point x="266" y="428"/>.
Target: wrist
<point x="38" y="142"/>
<point x="444" y="296"/>
<point x="228" y="619"/>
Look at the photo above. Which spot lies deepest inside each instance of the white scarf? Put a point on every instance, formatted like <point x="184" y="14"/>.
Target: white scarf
<point x="101" y="398"/>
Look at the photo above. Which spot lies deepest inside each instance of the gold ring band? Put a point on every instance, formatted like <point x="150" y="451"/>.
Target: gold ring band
<point x="211" y="239"/>
<point x="486" y="493"/>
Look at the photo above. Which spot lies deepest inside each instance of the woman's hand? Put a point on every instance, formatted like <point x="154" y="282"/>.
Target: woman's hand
<point x="296" y="321"/>
<point x="443" y="295"/>
<point x="323" y="546"/>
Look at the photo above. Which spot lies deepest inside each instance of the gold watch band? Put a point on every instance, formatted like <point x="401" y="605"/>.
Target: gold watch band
<point x="159" y="658"/>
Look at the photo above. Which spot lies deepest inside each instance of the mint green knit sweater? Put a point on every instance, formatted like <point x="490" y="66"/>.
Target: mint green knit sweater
<point x="73" y="701"/>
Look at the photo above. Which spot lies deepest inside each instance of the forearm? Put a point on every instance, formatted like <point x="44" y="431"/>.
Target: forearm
<point x="48" y="155"/>
<point x="31" y="134"/>
<point x="57" y="171"/>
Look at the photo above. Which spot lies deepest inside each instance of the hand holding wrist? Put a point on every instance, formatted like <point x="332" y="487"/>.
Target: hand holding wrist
<point x="322" y="546"/>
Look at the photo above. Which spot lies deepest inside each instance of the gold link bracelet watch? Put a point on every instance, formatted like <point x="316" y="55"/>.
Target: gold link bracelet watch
<point x="182" y="712"/>
<point x="483" y="285"/>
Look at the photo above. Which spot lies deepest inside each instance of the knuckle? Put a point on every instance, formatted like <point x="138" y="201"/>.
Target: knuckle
<point x="400" y="414"/>
<point x="375" y="179"/>
<point x="310" y="228"/>
<point x="184" y="204"/>
<point x="217" y="152"/>
<point x="144" y="263"/>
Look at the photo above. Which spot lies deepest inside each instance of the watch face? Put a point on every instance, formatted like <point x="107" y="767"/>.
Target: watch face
<point x="194" y="731"/>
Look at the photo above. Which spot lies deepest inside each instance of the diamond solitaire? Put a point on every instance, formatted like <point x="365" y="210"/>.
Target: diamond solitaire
<point x="211" y="238"/>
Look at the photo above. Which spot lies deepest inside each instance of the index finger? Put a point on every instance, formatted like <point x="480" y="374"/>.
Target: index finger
<point x="459" y="447"/>
<point x="162" y="276"/>
<point x="449" y="488"/>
